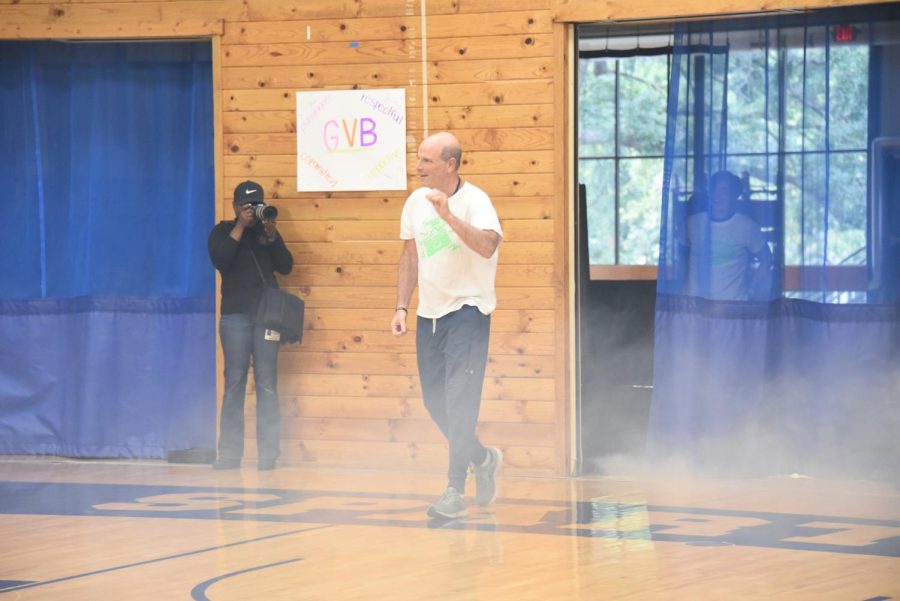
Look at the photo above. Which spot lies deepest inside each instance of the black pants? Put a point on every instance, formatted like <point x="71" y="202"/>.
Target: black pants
<point x="452" y="355"/>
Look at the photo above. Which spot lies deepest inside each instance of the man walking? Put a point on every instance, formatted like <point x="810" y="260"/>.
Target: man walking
<point x="451" y="234"/>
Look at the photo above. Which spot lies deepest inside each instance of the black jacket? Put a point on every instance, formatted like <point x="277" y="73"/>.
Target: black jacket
<point x="241" y="284"/>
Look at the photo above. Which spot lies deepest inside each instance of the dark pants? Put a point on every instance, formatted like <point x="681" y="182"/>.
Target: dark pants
<point x="452" y="354"/>
<point x="241" y="340"/>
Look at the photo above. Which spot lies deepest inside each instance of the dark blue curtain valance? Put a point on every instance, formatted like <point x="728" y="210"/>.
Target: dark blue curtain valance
<point x="107" y="296"/>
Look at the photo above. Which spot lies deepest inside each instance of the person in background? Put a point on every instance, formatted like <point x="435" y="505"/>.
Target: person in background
<point x="246" y="251"/>
<point x="451" y="234"/>
<point x="725" y="247"/>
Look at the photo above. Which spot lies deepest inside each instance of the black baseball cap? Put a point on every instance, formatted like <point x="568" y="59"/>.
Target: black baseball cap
<point x="248" y="191"/>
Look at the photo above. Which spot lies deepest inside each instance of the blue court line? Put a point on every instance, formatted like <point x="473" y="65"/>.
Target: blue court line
<point x="11" y="583"/>
<point x="199" y="592"/>
<point x="158" y="559"/>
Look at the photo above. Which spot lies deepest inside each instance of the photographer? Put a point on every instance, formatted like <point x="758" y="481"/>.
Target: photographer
<point x="246" y="251"/>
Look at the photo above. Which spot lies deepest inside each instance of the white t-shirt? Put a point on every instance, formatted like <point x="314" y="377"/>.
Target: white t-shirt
<point x="720" y="252"/>
<point x="450" y="273"/>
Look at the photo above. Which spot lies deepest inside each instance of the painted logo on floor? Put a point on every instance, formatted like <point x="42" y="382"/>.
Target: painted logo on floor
<point x="598" y="518"/>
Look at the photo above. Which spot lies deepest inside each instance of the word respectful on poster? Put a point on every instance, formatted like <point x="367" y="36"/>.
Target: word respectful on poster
<point x="351" y="140"/>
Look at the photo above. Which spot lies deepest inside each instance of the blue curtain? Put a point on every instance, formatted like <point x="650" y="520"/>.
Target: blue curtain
<point x="777" y="346"/>
<point x="107" y="315"/>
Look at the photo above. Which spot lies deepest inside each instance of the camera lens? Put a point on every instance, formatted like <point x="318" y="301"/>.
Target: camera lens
<point x="265" y="211"/>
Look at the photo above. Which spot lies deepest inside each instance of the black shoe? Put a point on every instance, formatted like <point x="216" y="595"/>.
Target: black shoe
<point x="265" y="465"/>
<point x="226" y="464"/>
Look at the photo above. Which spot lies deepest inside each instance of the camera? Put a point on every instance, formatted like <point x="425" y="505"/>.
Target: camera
<point x="264" y="211"/>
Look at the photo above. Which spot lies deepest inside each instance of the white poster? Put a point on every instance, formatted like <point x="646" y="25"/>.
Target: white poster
<point x="351" y="140"/>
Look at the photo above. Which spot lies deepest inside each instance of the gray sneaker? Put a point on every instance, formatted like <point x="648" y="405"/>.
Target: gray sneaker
<point x="450" y="505"/>
<point x="486" y="477"/>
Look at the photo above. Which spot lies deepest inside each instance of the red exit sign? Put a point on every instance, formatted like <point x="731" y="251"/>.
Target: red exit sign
<point x="844" y="33"/>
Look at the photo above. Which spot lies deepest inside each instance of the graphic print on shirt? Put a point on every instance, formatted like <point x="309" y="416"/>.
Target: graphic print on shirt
<point x="436" y="237"/>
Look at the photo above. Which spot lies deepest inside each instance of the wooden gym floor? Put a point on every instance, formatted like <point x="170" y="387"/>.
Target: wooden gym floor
<point x="88" y="530"/>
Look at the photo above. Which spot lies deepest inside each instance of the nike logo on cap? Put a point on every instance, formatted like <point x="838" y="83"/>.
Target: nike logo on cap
<point x="250" y="191"/>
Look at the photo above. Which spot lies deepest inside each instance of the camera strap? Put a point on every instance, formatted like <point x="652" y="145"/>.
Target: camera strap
<point x="261" y="276"/>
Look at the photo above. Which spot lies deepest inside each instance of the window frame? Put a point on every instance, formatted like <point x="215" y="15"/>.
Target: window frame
<point x="792" y="276"/>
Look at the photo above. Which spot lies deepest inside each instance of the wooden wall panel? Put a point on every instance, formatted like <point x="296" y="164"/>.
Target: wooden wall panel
<point x="385" y="296"/>
<point x="35" y="20"/>
<point x="275" y="143"/>
<point x="325" y="407"/>
<point x="241" y="119"/>
<point x="401" y="27"/>
<point x="443" y="95"/>
<point x="349" y="362"/>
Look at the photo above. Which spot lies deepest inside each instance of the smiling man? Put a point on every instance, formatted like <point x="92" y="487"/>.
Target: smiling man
<point x="451" y="234"/>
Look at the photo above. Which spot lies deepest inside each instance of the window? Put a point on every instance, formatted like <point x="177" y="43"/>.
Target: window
<point x="785" y="108"/>
<point x="826" y="139"/>
<point x="621" y="137"/>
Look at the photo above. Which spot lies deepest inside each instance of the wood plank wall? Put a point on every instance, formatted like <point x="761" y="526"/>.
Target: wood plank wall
<point x="483" y="70"/>
<point x="350" y="392"/>
<point x="490" y="71"/>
